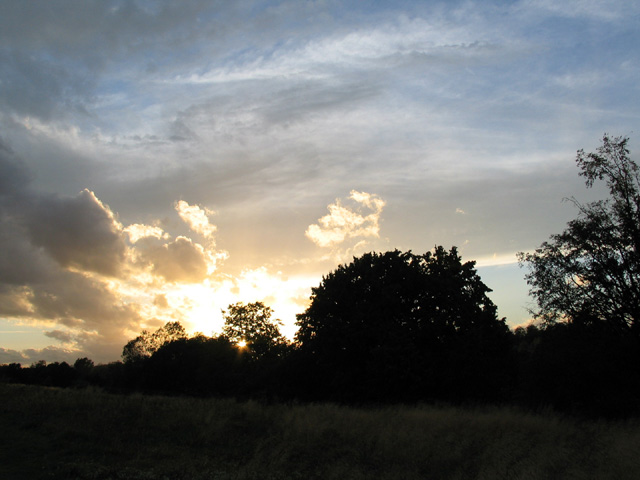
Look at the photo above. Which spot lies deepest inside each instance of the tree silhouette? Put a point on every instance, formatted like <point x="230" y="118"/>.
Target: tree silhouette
<point x="586" y="369"/>
<point x="401" y="326"/>
<point x="197" y="366"/>
<point x="251" y="326"/>
<point x="84" y="368"/>
<point x="144" y="345"/>
<point x="591" y="271"/>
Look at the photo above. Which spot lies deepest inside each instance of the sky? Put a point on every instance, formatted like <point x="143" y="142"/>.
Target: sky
<point x="160" y="161"/>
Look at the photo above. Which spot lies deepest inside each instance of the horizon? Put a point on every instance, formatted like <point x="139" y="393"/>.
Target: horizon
<point x="160" y="162"/>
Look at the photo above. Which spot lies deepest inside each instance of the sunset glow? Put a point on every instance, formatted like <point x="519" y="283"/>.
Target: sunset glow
<point x="159" y="162"/>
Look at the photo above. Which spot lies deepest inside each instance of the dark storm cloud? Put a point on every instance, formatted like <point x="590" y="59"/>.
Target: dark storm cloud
<point x="78" y="232"/>
<point x="20" y="263"/>
<point x="14" y="176"/>
<point x="41" y="237"/>
<point x="74" y="300"/>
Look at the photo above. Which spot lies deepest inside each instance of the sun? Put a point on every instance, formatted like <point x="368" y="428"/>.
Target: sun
<point x="241" y="344"/>
<point x="200" y="306"/>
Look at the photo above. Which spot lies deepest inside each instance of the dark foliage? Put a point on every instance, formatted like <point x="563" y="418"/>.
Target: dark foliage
<point x="147" y="343"/>
<point x="590" y="273"/>
<point x="40" y="373"/>
<point x="572" y="367"/>
<point x="251" y="327"/>
<point x="586" y="281"/>
<point x="196" y="366"/>
<point x="399" y="326"/>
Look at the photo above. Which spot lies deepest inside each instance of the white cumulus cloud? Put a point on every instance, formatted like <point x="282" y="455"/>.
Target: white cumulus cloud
<point x="361" y="219"/>
<point x="138" y="231"/>
<point x="196" y="218"/>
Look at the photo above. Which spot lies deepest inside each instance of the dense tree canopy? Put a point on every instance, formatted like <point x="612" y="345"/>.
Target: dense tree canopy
<point x="591" y="271"/>
<point x="251" y="325"/>
<point x="408" y="324"/>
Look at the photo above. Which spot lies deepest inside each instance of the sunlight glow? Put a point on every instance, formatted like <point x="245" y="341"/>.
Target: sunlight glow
<point x="199" y="306"/>
<point x="497" y="259"/>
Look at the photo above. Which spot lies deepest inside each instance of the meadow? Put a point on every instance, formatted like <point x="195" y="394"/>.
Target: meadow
<point x="52" y="433"/>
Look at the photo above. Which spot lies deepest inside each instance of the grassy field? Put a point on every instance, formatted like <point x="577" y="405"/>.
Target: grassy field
<point x="87" y="434"/>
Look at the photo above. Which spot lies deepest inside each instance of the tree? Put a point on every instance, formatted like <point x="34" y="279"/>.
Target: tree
<point x="251" y="325"/>
<point x="577" y="368"/>
<point x="197" y="366"/>
<point x="83" y="366"/>
<point x="400" y="326"/>
<point x="144" y="345"/>
<point x="591" y="271"/>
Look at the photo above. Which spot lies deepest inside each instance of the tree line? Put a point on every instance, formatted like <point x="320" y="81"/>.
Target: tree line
<point x="405" y="327"/>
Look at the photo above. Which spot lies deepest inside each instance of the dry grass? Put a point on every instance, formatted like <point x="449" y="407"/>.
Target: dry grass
<point x="87" y="434"/>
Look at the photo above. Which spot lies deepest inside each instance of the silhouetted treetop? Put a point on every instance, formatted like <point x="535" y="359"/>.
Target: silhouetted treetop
<point x="251" y="325"/>
<point x="397" y="318"/>
<point x="591" y="271"/>
<point x="433" y="295"/>
<point x="144" y="345"/>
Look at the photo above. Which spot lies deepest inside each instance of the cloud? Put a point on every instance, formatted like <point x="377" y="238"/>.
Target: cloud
<point x="181" y="260"/>
<point x="14" y="300"/>
<point x="78" y="232"/>
<point x="20" y="262"/>
<point x="138" y="231"/>
<point x="196" y="218"/>
<point x="77" y="301"/>
<point x="60" y="335"/>
<point x="92" y="312"/>
<point x="14" y="176"/>
<point x="344" y="222"/>
<point x="36" y="86"/>
<point x="32" y="355"/>
<point x="55" y="61"/>
<point x="64" y="263"/>
<point x="265" y="110"/>
<point x="68" y="264"/>
<point x="160" y="301"/>
<point x="610" y="11"/>
<point x="8" y="355"/>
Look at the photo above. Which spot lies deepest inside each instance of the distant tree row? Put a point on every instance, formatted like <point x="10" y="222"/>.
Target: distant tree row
<point x="401" y="327"/>
<point x="387" y="327"/>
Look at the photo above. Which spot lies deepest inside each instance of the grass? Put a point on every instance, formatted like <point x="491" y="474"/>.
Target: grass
<point x="87" y="434"/>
